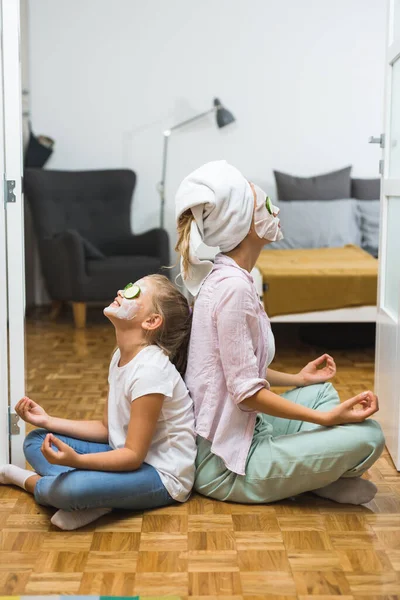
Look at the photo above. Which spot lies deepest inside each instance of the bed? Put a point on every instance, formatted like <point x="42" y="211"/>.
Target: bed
<point x="318" y="284"/>
<point x="325" y="269"/>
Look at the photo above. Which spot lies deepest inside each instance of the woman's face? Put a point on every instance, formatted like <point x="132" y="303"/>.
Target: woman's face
<point x="125" y="309"/>
<point x="265" y="220"/>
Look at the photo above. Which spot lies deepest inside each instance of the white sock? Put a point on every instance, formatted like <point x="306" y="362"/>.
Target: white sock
<point x="12" y="475"/>
<point x="349" y="490"/>
<point x="69" y="520"/>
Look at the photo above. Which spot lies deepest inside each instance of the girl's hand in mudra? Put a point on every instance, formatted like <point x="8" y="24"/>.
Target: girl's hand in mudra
<point x="31" y="412"/>
<point x="354" y="410"/>
<point x="319" y="370"/>
<point x="64" y="455"/>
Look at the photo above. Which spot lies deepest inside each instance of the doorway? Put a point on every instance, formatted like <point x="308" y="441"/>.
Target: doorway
<point x="12" y="289"/>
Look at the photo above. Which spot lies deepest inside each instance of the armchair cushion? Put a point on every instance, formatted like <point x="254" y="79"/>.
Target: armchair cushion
<point x="91" y="251"/>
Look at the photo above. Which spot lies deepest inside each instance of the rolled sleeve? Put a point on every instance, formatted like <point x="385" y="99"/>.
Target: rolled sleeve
<point x="237" y="327"/>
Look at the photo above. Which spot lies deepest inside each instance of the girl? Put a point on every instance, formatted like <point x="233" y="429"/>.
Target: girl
<point x="253" y="445"/>
<point x="142" y="454"/>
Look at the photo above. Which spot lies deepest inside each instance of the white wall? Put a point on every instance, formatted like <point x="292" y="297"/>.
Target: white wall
<point x="303" y="78"/>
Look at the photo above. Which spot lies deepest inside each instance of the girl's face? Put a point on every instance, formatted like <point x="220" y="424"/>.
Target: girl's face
<point x="136" y="308"/>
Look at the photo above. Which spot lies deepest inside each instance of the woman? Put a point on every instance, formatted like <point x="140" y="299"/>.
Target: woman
<point x="253" y="445"/>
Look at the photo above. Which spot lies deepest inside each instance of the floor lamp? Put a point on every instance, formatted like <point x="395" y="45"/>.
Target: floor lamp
<point x="223" y="117"/>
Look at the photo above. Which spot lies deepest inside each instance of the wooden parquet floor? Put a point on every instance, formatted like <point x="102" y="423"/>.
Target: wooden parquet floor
<point x="306" y="548"/>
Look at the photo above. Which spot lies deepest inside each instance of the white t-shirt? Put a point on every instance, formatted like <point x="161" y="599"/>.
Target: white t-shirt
<point x="173" y="448"/>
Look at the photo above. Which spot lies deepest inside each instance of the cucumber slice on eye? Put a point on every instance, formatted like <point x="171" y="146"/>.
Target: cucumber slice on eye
<point x="268" y="204"/>
<point x="131" y="291"/>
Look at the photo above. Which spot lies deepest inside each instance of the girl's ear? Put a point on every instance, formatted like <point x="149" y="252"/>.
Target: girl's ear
<point x="152" y="322"/>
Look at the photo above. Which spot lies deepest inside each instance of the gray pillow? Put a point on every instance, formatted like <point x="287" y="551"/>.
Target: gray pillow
<point x="369" y="222"/>
<point x="316" y="224"/>
<point x="329" y="186"/>
<point x="366" y="189"/>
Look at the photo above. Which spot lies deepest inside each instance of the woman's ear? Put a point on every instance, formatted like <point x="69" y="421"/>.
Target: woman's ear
<point x="152" y="322"/>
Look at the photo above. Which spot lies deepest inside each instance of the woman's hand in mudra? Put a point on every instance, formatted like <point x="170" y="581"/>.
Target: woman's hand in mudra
<point x="319" y="370"/>
<point x="354" y="410"/>
<point x="64" y="455"/>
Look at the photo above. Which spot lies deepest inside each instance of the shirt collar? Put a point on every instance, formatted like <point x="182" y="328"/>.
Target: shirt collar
<point x="223" y="259"/>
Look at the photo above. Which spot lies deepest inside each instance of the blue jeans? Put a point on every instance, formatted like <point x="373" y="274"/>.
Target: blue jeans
<point x="74" y="489"/>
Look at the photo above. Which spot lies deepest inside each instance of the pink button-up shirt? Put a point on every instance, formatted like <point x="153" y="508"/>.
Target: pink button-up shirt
<point x="228" y="359"/>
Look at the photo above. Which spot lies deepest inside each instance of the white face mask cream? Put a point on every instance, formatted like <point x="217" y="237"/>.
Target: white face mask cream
<point x="266" y="225"/>
<point x="127" y="308"/>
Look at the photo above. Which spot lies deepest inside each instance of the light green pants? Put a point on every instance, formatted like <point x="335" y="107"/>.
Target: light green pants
<point x="288" y="457"/>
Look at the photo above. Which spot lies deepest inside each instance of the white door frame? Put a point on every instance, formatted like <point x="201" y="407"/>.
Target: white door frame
<point x="4" y="442"/>
<point x="387" y="363"/>
<point x="14" y="216"/>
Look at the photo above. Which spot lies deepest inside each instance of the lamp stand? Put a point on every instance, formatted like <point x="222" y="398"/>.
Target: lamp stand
<point x="167" y="133"/>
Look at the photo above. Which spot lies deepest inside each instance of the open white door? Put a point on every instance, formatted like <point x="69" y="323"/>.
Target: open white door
<point x="4" y="440"/>
<point x="12" y="293"/>
<point x="387" y="369"/>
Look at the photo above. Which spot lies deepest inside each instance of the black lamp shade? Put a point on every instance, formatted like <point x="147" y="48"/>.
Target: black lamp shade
<point x="224" y="117"/>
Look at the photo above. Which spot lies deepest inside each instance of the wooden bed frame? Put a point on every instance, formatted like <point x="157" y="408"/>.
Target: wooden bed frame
<point x="356" y="314"/>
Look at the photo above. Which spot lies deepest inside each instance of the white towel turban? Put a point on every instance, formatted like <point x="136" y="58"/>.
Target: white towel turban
<point x="222" y="204"/>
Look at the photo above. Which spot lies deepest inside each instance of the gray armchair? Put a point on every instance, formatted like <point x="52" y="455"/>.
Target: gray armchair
<point x="82" y="223"/>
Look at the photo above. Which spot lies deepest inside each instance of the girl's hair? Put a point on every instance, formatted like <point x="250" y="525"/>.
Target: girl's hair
<point x="173" y="335"/>
<point x="182" y="245"/>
